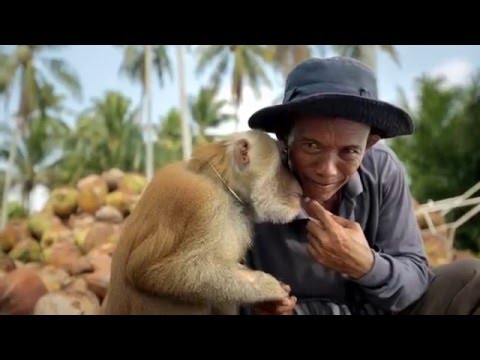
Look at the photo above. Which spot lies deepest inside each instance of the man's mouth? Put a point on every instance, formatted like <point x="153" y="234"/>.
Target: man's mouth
<point x="322" y="184"/>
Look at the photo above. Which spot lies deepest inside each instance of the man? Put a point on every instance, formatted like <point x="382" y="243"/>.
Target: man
<point x="357" y="249"/>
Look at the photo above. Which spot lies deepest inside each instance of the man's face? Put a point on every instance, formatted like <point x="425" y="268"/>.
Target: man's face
<point x="326" y="152"/>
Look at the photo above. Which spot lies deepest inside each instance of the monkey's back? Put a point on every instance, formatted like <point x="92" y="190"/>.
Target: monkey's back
<point x="177" y="208"/>
<point x="176" y="198"/>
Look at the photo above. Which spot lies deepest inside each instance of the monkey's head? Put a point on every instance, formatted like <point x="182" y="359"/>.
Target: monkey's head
<point x="259" y="176"/>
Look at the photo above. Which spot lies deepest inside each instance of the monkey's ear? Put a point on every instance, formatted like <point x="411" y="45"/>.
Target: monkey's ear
<point x="241" y="150"/>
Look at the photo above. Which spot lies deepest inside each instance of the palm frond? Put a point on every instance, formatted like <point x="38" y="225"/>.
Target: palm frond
<point x="392" y="51"/>
<point x="207" y="54"/>
<point x="28" y="99"/>
<point x="219" y="71"/>
<point x="66" y="75"/>
<point x="255" y="73"/>
<point x="162" y="63"/>
<point x="132" y="64"/>
<point x="7" y="72"/>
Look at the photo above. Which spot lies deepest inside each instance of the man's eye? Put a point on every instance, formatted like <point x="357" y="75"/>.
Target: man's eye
<point x="351" y="152"/>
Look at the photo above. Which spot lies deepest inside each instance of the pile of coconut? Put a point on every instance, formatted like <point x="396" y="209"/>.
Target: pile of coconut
<point x="57" y="261"/>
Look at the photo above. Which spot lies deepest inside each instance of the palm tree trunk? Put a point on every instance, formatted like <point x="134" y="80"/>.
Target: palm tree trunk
<point x="237" y="119"/>
<point x="368" y="55"/>
<point x="27" y="189"/>
<point x="186" y="133"/>
<point x="148" y="113"/>
<point x="9" y="173"/>
<point x="141" y="108"/>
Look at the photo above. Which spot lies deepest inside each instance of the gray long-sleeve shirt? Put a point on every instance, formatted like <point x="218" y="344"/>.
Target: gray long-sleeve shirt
<point x="378" y="198"/>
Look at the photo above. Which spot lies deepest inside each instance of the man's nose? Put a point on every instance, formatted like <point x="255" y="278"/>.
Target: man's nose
<point x="326" y="166"/>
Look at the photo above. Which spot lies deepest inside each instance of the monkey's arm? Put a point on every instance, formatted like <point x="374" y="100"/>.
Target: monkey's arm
<point x="200" y="278"/>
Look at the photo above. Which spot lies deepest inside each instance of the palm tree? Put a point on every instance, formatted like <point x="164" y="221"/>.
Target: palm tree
<point x="186" y="132"/>
<point x="367" y="53"/>
<point x="134" y="66"/>
<point x="148" y="111"/>
<point x="5" y="80"/>
<point x="207" y="111"/>
<point x="5" y="89"/>
<point x="106" y="136"/>
<point x="247" y="62"/>
<point x="23" y="64"/>
<point x="285" y="57"/>
<point x="138" y="61"/>
<point x="169" y="147"/>
<point x="39" y="149"/>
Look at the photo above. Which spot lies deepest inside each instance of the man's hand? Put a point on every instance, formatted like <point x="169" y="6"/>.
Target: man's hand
<point x="337" y="243"/>
<point x="282" y="307"/>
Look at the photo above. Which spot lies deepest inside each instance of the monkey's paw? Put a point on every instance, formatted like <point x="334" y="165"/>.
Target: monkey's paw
<point x="268" y="288"/>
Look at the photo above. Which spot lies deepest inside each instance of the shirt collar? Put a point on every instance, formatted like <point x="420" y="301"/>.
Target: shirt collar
<point x="353" y="187"/>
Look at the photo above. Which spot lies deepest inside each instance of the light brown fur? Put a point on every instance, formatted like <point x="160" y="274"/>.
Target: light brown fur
<point x="181" y="248"/>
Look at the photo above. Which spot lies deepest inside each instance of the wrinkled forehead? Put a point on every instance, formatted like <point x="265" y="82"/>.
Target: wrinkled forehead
<point x="328" y="127"/>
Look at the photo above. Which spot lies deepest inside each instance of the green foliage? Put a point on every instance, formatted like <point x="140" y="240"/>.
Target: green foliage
<point x="105" y="136"/>
<point x="442" y="157"/>
<point x="207" y="111"/>
<point x="16" y="210"/>
<point x="38" y="149"/>
<point x="284" y="58"/>
<point x="169" y="146"/>
<point x="32" y="76"/>
<point x="133" y="63"/>
<point x="247" y="64"/>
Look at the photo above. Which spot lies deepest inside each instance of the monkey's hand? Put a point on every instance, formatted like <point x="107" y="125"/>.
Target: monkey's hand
<point x="282" y="307"/>
<point x="264" y="286"/>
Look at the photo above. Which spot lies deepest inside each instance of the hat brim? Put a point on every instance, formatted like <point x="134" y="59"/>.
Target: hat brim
<point x="387" y="120"/>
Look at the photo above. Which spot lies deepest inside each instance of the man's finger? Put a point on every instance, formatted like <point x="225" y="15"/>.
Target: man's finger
<point x="288" y="303"/>
<point x="275" y="312"/>
<point x="318" y="230"/>
<point x="315" y="246"/>
<point x="314" y="253"/>
<point x="287" y="308"/>
<point x="266" y="308"/>
<point x="342" y="221"/>
<point x="264" y="312"/>
<point x="273" y="308"/>
<point x="321" y="214"/>
<point x="270" y="305"/>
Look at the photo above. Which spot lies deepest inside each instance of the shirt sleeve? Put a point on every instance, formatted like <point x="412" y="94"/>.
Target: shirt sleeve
<point x="400" y="273"/>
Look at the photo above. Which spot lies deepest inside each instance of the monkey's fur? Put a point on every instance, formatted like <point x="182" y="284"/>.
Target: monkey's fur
<point x="181" y="248"/>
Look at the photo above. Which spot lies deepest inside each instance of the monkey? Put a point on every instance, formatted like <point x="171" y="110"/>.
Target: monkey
<point x="182" y="248"/>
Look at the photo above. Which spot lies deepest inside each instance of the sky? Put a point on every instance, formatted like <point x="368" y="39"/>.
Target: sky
<point x="97" y="68"/>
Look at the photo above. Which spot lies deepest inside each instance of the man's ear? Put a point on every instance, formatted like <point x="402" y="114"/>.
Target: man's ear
<point x="241" y="153"/>
<point x="372" y="140"/>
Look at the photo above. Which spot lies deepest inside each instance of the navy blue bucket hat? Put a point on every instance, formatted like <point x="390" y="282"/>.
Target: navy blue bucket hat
<point x="333" y="87"/>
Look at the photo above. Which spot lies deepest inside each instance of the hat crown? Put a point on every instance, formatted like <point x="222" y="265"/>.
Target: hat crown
<point x="330" y="75"/>
<point x="336" y="87"/>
